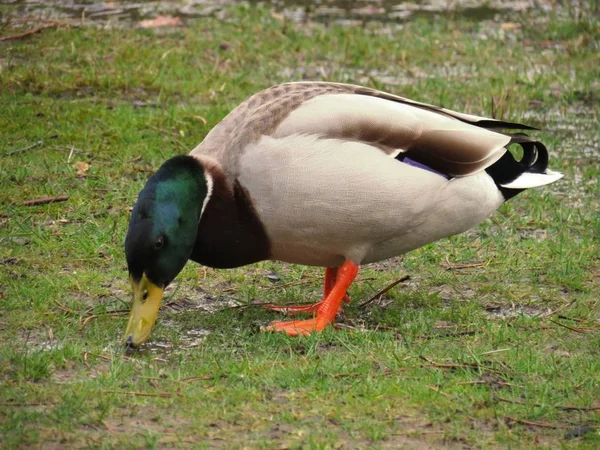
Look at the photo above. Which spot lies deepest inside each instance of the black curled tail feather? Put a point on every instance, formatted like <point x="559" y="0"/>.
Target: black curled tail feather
<point x="507" y="169"/>
<point x="535" y="154"/>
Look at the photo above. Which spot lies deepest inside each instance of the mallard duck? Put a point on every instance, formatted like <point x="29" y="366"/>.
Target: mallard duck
<point x="321" y="174"/>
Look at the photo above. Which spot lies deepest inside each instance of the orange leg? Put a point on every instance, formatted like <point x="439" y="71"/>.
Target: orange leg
<point x="330" y="278"/>
<point x="328" y="308"/>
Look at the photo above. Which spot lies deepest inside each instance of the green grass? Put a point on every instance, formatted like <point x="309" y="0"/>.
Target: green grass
<point x="494" y="335"/>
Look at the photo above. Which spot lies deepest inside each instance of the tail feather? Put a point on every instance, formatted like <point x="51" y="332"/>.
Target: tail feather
<point x="530" y="179"/>
<point x="513" y="176"/>
<point x="533" y="166"/>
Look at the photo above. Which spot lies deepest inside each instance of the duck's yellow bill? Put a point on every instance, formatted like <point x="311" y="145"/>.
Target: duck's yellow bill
<point x="146" y="302"/>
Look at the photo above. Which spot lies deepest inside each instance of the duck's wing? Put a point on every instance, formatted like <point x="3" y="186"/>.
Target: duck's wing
<point x="453" y="143"/>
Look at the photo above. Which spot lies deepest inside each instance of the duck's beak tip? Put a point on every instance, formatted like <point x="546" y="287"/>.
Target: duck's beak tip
<point x="144" y="310"/>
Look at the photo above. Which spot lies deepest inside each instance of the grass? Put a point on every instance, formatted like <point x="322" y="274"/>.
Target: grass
<point x="493" y="342"/>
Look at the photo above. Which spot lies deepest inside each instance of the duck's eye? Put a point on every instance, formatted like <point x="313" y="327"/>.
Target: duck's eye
<point x="160" y="241"/>
<point x="145" y="294"/>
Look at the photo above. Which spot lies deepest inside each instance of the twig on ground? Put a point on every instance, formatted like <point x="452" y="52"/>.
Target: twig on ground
<point x="385" y="373"/>
<point x="141" y="394"/>
<point x="63" y="307"/>
<point x="191" y="379"/>
<point x="24" y="149"/>
<point x="509" y="420"/>
<point x="105" y="358"/>
<point x="409" y="432"/>
<point x="45" y="200"/>
<point x="554" y="311"/>
<point x="587" y="322"/>
<point x="450" y="365"/>
<point x="500" y="350"/>
<point x="576" y="330"/>
<point x="564" y="408"/>
<point x="27" y="404"/>
<point x="383" y="291"/>
<point x="560" y="316"/>
<point x="33" y="31"/>
<point x="346" y="326"/>
<point x="436" y="389"/>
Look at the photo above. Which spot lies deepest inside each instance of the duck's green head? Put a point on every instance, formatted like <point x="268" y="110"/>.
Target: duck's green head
<point x="161" y="237"/>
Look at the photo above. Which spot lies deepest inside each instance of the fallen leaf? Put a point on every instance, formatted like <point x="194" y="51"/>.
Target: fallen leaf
<point x="275" y="15"/>
<point x="510" y="26"/>
<point x="161" y="21"/>
<point x="81" y="168"/>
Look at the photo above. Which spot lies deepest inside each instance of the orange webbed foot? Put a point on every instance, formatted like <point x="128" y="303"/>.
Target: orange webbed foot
<point x="291" y="310"/>
<point x="337" y="282"/>
<point x="296" y="327"/>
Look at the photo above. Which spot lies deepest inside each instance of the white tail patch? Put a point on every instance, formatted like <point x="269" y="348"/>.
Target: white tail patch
<point x="530" y="180"/>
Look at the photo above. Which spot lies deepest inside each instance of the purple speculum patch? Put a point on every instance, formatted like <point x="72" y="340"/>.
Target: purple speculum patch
<point x="412" y="162"/>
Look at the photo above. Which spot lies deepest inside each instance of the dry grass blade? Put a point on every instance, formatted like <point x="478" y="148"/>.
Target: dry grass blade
<point x="383" y="291"/>
<point x="451" y="266"/>
<point x="27" y="404"/>
<point x="508" y="420"/>
<point x="385" y="373"/>
<point x="417" y="432"/>
<point x="495" y="382"/>
<point x="86" y="354"/>
<point x="141" y="394"/>
<point x="63" y="307"/>
<point x="436" y="389"/>
<point x="192" y="379"/>
<point x="120" y="312"/>
<point x="564" y="408"/>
